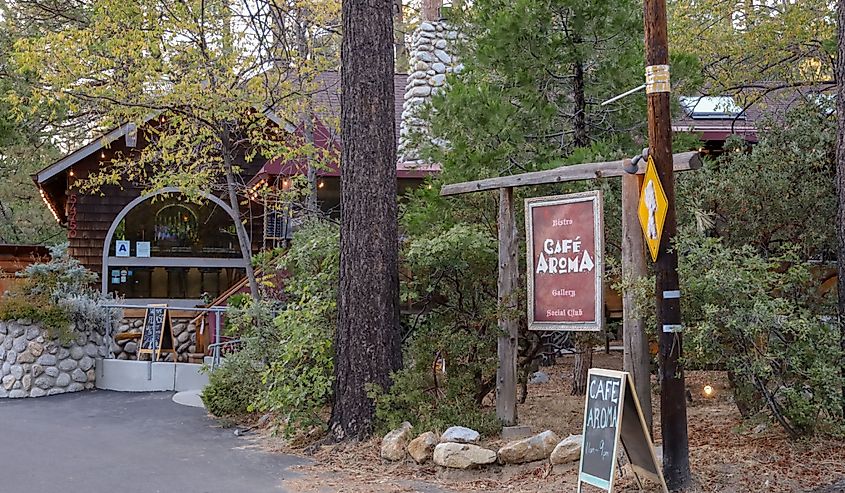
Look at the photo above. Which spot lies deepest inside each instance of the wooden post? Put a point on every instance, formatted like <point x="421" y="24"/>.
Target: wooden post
<point x="635" y="341"/>
<point x="673" y="405"/>
<point x="507" y="343"/>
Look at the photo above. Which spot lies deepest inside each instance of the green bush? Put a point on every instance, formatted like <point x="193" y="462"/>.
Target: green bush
<point x="760" y="320"/>
<point x="58" y="294"/>
<point x="454" y="286"/>
<point x="285" y="363"/>
<point x="232" y="387"/>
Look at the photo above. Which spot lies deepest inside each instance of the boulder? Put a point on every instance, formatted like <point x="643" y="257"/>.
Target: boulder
<point x="44" y="382"/>
<point x="422" y="448"/>
<point x="8" y="381"/>
<point x="36" y="348"/>
<point x="26" y="357"/>
<point x="17" y="394"/>
<point x="77" y="352"/>
<point x="568" y="450"/>
<point x="393" y="444"/>
<point x="79" y="376"/>
<point x="26" y="382"/>
<point x="538" y="447"/>
<point x="460" y="434"/>
<point x="36" y="370"/>
<point x="67" y="365"/>
<point x="36" y="392"/>
<point x="75" y="387"/>
<point x="539" y="377"/>
<point x="131" y="347"/>
<point x="51" y="371"/>
<point x="462" y="455"/>
<point x="86" y="363"/>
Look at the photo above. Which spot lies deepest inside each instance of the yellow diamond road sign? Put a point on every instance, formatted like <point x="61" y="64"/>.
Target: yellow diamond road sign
<point x="653" y="208"/>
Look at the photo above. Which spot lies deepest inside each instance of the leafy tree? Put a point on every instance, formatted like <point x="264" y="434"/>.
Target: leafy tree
<point x="208" y="68"/>
<point x="751" y="48"/>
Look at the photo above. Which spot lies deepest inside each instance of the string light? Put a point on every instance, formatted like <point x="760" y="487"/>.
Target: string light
<point x="321" y="184"/>
<point x="102" y="154"/>
<point x="71" y="173"/>
<point x="49" y="205"/>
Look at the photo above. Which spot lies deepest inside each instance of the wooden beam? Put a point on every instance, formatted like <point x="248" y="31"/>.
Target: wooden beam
<point x="636" y="355"/>
<point x="509" y="327"/>
<point x="684" y="161"/>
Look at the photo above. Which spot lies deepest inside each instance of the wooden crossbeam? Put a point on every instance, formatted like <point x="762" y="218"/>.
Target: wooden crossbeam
<point x="684" y="161"/>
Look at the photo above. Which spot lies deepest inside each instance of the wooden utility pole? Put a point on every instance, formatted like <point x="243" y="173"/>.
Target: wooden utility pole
<point x="673" y="406"/>
<point x="634" y="338"/>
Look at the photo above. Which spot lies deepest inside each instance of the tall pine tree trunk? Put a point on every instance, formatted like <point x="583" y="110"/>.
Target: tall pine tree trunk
<point x="579" y="122"/>
<point x="367" y="342"/>
<point x="840" y="177"/>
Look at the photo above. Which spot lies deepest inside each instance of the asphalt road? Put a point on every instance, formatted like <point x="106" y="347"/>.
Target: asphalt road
<point x="105" y="442"/>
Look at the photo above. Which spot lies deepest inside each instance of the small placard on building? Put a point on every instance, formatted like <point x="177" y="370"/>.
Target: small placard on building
<point x="142" y="249"/>
<point x="121" y="248"/>
<point x="565" y="257"/>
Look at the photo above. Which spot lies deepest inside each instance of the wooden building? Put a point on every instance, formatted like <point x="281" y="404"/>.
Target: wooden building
<point x="156" y="247"/>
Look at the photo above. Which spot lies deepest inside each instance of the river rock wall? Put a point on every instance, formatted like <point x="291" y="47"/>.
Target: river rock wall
<point x="184" y="333"/>
<point x="33" y="364"/>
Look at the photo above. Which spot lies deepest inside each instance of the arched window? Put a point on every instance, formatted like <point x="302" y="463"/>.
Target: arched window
<point x="162" y="247"/>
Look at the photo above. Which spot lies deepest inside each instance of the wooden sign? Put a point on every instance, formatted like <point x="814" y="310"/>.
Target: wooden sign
<point x="653" y="208"/>
<point x="157" y="333"/>
<point x="565" y="257"/>
<point x="612" y="415"/>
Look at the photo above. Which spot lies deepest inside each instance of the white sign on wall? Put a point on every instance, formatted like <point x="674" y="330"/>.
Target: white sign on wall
<point x="121" y="248"/>
<point x="142" y="249"/>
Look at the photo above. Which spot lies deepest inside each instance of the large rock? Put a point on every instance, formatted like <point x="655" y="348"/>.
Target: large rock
<point x="51" y="371"/>
<point x="462" y="455"/>
<point x="63" y="380"/>
<point x="17" y="372"/>
<point x="47" y="360"/>
<point x="460" y="434"/>
<point x="75" y="387"/>
<point x="17" y="394"/>
<point x="538" y="447"/>
<point x="131" y="347"/>
<point x="26" y="357"/>
<point x="86" y="363"/>
<point x="8" y="381"/>
<point x="44" y="382"/>
<point x="79" y="376"/>
<point x="77" y="352"/>
<point x="67" y="365"/>
<point x="422" y="448"/>
<point x="393" y="444"/>
<point x="36" y="392"/>
<point x="568" y="450"/>
<point x="36" y="348"/>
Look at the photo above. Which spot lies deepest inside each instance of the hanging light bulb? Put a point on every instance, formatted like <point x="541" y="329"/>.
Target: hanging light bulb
<point x="102" y="154"/>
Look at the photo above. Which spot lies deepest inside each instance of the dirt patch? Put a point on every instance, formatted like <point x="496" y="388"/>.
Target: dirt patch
<point x="726" y="454"/>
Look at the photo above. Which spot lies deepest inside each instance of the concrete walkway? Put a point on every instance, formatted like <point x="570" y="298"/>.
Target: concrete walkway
<point x="102" y="442"/>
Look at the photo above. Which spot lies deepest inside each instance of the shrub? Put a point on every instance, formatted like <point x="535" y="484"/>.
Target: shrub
<point x="59" y="295"/>
<point x="760" y="320"/>
<point x="454" y="285"/>
<point x="285" y="364"/>
<point x="232" y="387"/>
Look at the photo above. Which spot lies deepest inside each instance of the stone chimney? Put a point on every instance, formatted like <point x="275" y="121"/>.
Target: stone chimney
<point x="431" y="58"/>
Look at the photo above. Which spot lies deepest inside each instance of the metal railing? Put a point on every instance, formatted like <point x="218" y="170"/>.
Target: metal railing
<point x="216" y="346"/>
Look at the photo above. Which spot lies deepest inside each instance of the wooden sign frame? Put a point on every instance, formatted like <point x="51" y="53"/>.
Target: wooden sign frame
<point x="597" y="199"/>
<point x="167" y="325"/>
<point x="638" y="471"/>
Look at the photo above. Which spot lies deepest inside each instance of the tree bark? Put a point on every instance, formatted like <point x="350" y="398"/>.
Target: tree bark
<point x="579" y="122"/>
<point x="399" y="47"/>
<point x="232" y="191"/>
<point x="367" y="342"/>
<point x="840" y="179"/>
<point x="583" y="363"/>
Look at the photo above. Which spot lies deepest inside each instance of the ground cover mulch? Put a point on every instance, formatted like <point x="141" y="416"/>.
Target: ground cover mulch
<point x="727" y="455"/>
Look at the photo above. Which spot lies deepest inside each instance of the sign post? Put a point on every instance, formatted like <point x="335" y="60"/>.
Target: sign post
<point x="565" y="257"/>
<point x="612" y="415"/>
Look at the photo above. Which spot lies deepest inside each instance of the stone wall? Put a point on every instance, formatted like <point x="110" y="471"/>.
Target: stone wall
<point x="432" y="57"/>
<point x="184" y="331"/>
<point x="32" y="364"/>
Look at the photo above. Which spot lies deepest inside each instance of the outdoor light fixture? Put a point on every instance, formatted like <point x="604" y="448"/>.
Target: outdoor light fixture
<point x="631" y="167"/>
<point x="708" y="391"/>
<point x="321" y="184"/>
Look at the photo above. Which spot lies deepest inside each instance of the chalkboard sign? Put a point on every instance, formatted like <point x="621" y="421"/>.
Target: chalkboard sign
<point x="613" y="415"/>
<point x="157" y="332"/>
